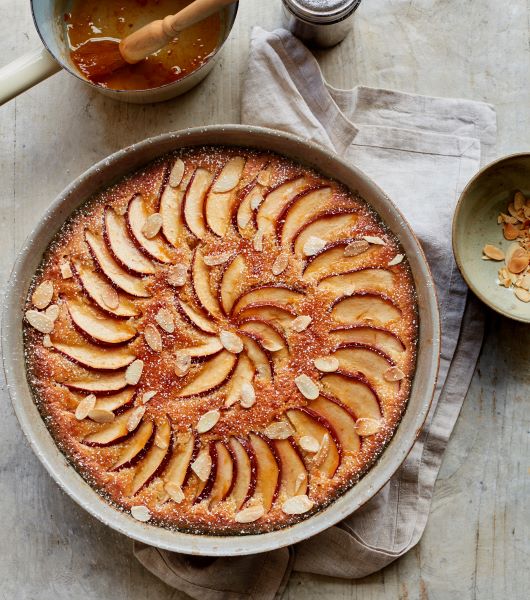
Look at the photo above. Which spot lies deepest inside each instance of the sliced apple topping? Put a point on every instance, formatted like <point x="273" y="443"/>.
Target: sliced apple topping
<point x="241" y="378"/>
<point x="259" y="356"/>
<point x="200" y="320"/>
<point x="98" y="382"/>
<point x="178" y="467"/>
<point x="271" y="339"/>
<point x="231" y="282"/>
<point x="154" y="247"/>
<point x="171" y="210"/>
<point x="269" y="295"/>
<point x="365" y="307"/>
<point x="95" y="357"/>
<point x="276" y="200"/>
<point x="333" y="259"/>
<point x="268" y="471"/>
<point x="213" y="373"/>
<point x="373" y="336"/>
<point x="137" y="445"/>
<point x="271" y="314"/>
<point x="231" y="342"/>
<point x="200" y="275"/>
<point x="326" y="227"/>
<point x="224" y="477"/>
<point x="342" y="421"/>
<point x="212" y="346"/>
<point x="194" y="198"/>
<point x="230" y="175"/>
<point x="245" y="471"/>
<point x="112" y="433"/>
<point x="154" y="459"/>
<point x="250" y="199"/>
<point x="294" y="477"/>
<point x="117" y="401"/>
<point x="177" y="173"/>
<point x="379" y="280"/>
<point x="205" y="467"/>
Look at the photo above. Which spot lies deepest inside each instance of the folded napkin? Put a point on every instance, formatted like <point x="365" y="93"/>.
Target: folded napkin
<point x="421" y="151"/>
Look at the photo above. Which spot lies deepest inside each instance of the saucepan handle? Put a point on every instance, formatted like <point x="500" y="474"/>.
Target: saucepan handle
<point x="25" y="72"/>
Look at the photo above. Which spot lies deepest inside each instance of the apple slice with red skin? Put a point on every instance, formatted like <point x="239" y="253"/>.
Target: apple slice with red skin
<point x="243" y="373"/>
<point x="196" y="318"/>
<point x="294" y="477"/>
<point x="224" y="476"/>
<point x="259" y="356"/>
<point x="204" y="488"/>
<point x="275" y="295"/>
<point x="327" y="227"/>
<point x="230" y="175"/>
<point x="355" y="392"/>
<point x="243" y="211"/>
<point x="212" y="374"/>
<point x="184" y="453"/>
<point x="269" y="337"/>
<point x="94" y="286"/>
<point x="111" y="433"/>
<point x="155" y="247"/>
<point x="193" y="204"/>
<point x="277" y="315"/>
<point x="117" y="402"/>
<point x="154" y="460"/>
<point x="200" y="279"/>
<point x="385" y="340"/>
<point x="342" y="421"/>
<point x="268" y="470"/>
<point x="309" y="423"/>
<point x="279" y="197"/>
<point x="93" y="357"/>
<point x="245" y="471"/>
<point x="301" y="209"/>
<point x="97" y="328"/>
<point x="137" y="447"/>
<point x="331" y="260"/>
<point x="171" y="210"/>
<point x="211" y="347"/>
<point x="102" y="382"/>
<point x="233" y="277"/>
<point x="123" y="249"/>
<point x="368" y="279"/>
<point x="367" y="307"/>
<point x="119" y="278"/>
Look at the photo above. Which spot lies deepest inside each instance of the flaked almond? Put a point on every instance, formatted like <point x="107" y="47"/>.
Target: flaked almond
<point x="177" y="173"/>
<point x="202" y="465"/>
<point x="519" y="200"/>
<point x="264" y="177"/>
<point x="174" y="491"/>
<point x="257" y="241"/>
<point x="208" y="421"/>
<point x="301" y="323"/>
<point x="523" y="295"/>
<point x="393" y="374"/>
<point x="518" y="260"/>
<point x="323" y="451"/>
<point x="177" y="275"/>
<point x="152" y="225"/>
<point x="134" y="372"/>
<point x="356" y="247"/>
<point x="367" y="426"/>
<point x="135" y="418"/>
<point x="396" y="260"/>
<point x="508" y="219"/>
<point x="326" y="364"/>
<point x="110" y="297"/>
<point x="272" y="345"/>
<point x="182" y="363"/>
<point x="100" y="415"/>
<point x="52" y="312"/>
<point x="510" y="232"/>
<point x="374" y="239"/>
<point x="280" y="264"/>
<point x="512" y="210"/>
<point x="164" y="318"/>
<point x="47" y="341"/>
<point x="493" y="252"/>
<point x="256" y="199"/>
<point x="313" y="245"/>
<point x="153" y="338"/>
<point x="146" y="396"/>
<point x="43" y="294"/>
<point x="243" y="219"/>
<point x="522" y="282"/>
<point x="278" y="430"/>
<point x="140" y="513"/>
<point x="85" y="406"/>
<point x="297" y="505"/>
<point x="229" y="176"/>
<point x="309" y="443"/>
<point x="307" y="387"/>
<point x="220" y="258"/>
<point x="250" y="514"/>
<point x="248" y="395"/>
<point x="65" y="269"/>
<point x="231" y="342"/>
<point x="39" y="321"/>
<point x="160" y="440"/>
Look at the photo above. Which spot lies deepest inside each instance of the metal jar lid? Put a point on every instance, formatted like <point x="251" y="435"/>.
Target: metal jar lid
<point x="322" y="11"/>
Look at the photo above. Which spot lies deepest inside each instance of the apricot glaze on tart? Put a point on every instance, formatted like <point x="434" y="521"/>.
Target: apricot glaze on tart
<point x="222" y="342"/>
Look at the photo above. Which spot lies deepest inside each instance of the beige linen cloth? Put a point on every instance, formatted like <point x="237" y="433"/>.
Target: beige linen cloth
<point x="421" y="151"/>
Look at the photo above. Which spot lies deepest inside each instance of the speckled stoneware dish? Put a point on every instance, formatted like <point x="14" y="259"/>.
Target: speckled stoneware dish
<point x="475" y="225"/>
<point x="129" y="159"/>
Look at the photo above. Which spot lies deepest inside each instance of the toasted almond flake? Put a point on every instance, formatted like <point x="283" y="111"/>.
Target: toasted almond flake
<point x="202" y="465"/>
<point x="135" y="418"/>
<point x="493" y="252"/>
<point x="320" y="456"/>
<point x="396" y="260"/>
<point x="177" y="173"/>
<point x="153" y="338"/>
<point x="511" y="210"/>
<point x="326" y="364"/>
<point x="510" y="232"/>
<point x="243" y="219"/>
<point x="250" y="514"/>
<point x="356" y="247"/>
<point x="110" y="297"/>
<point x="519" y="200"/>
<point x="307" y="387"/>
<point x="47" y="341"/>
<point x="164" y="318"/>
<point x="43" y="294"/>
<point x="297" y="505"/>
<point x="517" y="259"/>
<point x="100" y="415"/>
<point x="248" y="395"/>
<point x="208" y="420"/>
<point x="146" y="396"/>
<point x="174" y="491"/>
<point x="272" y="345"/>
<point x="261" y="371"/>
<point x="374" y="239"/>
<point x="366" y="426"/>
<point x="264" y="177"/>
<point x="52" y="312"/>
<point x="85" y="406"/>
<point x="301" y="479"/>
<point x="182" y="363"/>
<point x="524" y="282"/>
<point x="257" y="241"/>
<point x="160" y="440"/>
<point x="523" y="295"/>
<point x="309" y="443"/>
<point x="39" y="321"/>
<point x="140" y="513"/>
<point x="313" y="245"/>
<point x="231" y="342"/>
<point x="177" y="275"/>
<point x="393" y="374"/>
<point x="301" y="323"/>
<point x="280" y="264"/>
<point x="65" y="269"/>
<point x="134" y="372"/>
<point x="229" y="176"/>
<point x="152" y="225"/>
<point x="278" y="430"/>
<point x="212" y="260"/>
<point x="256" y="199"/>
<point x="508" y="219"/>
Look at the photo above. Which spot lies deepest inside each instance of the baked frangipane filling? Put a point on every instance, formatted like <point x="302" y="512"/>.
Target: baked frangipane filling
<point x="223" y="341"/>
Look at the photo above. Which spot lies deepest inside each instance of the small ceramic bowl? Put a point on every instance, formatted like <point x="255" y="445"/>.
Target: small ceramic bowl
<point x="475" y="225"/>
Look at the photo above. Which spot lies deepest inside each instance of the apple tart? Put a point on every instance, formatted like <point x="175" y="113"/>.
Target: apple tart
<point x="223" y="341"/>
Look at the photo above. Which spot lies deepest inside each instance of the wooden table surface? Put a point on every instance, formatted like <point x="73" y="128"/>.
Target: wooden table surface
<point x="477" y="542"/>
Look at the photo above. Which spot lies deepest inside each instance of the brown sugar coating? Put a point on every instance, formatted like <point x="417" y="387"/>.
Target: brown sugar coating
<point x="224" y="337"/>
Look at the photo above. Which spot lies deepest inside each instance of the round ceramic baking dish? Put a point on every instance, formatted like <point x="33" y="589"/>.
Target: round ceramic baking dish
<point x="129" y="159"/>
